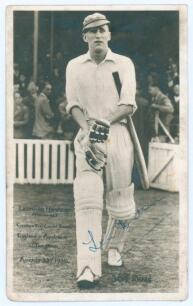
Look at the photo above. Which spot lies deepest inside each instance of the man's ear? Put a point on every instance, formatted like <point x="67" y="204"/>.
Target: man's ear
<point x="84" y="37"/>
<point x="109" y="36"/>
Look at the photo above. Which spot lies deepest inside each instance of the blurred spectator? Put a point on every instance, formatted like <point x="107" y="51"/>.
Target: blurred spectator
<point x="47" y="64"/>
<point x="175" y="121"/>
<point x="57" y="82"/>
<point x="174" y="73"/>
<point x="172" y="76"/>
<point x="29" y="102"/>
<point x="67" y="127"/>
<point x="140" y="116"/>
<point x="23" y="85"/>
<point x="59" y="64"/>
<point x="44" y="117"/>
<point x="16" y="88"/>
<point x="21" y="117"/>
<point x="153" y="78"/>
<point x="161" y="103"/>
<point x="176" y="98"/>
<point x="170" y="84"/>
<point x="169" y="64"/>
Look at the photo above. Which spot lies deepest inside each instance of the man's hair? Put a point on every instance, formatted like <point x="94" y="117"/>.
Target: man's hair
<point x="31" y="85"/>
<point x="154" y="85"/>
<point x="43" y="84"/>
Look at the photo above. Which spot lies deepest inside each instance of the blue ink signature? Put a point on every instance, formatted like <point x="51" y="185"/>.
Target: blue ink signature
<point x="93" y="247"/>
<point x="122" y="224"/>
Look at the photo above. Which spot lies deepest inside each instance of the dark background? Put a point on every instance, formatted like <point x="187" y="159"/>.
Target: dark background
<point x="142" y="35"/>
<point x="149" y="38"/>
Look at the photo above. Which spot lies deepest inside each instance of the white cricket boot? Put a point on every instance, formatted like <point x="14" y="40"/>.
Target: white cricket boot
<point x="114" y="258"/>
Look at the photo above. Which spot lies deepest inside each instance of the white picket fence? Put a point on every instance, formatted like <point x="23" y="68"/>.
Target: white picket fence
<point x="44" y="162"/>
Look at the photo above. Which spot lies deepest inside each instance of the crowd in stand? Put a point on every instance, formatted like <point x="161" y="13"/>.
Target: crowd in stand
<point x="40" y="109"/>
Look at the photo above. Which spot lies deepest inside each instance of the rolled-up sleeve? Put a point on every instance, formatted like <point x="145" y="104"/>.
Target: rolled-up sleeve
<point x="71" y="87"/>
<point x="128" y="80"/>
<point x="167" y="104"/>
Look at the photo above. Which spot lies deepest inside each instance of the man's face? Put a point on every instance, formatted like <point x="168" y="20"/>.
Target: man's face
<point x="48" y="90"/>
<point x="33" y="90"/>
<point x="22" y="78"/>
<point x="17" y="98"/>
<point x="152" y="91"/>
<point x="176" y="90"/>
<point x="97" y="38"/>
<point x="16" y="88"/>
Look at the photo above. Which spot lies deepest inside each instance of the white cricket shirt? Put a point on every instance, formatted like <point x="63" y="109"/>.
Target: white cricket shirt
<point x="91" y="86"/>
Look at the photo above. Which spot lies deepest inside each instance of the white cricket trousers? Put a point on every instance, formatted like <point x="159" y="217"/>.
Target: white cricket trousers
<point x="89" y="196"/>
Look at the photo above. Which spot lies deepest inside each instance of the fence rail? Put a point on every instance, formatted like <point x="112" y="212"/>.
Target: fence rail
<point x="44" y="162"/>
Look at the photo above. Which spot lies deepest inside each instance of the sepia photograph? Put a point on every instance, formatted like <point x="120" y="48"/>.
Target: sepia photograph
<point x="96" y="102"/>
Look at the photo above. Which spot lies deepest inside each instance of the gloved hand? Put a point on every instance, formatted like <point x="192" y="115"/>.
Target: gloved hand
<point x="96" y="156"/>
<point x="95" y="153"/>
<point x="99" y="131"/>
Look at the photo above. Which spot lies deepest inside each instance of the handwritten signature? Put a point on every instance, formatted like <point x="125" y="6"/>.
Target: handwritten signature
<point x="124" y="224"/>
<point x="93" y="246"/>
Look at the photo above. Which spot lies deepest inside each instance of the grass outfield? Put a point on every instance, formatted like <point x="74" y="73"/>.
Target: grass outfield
<point x="45" y="246"/>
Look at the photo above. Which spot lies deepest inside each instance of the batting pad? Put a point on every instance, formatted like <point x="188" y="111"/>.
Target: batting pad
<point x="116" y="234"/>
<point x="120" y="203"/>
<point x="88" y="191"/>
<point x="88" y="196"/>
<point x="88" y="236"/>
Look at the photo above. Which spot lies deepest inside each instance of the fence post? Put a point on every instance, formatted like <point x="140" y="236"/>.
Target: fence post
<point x="35" y="46"/>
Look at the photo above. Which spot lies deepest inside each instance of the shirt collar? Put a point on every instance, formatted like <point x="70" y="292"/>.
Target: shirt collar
<point x="43" y="95"/>
<point x="110" y="56"/>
